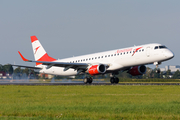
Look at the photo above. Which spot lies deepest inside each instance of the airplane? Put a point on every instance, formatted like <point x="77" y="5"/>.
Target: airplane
<point x="131" y="59"/>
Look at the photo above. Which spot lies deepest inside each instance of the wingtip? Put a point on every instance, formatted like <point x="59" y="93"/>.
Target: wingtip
<point x="24" y="59"/>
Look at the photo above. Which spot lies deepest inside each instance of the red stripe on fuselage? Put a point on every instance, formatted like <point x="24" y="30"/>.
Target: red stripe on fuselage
<point x="45" y="57"/>
<point x="136" y="50"/>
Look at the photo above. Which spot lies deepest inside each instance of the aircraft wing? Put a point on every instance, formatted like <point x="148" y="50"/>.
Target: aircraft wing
<point x="66" y="65"/>
<point x="27" y="66"/>
<point x="63" y="64"/>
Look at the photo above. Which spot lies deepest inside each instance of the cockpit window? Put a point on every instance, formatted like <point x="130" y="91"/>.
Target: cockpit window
<point x="156" y="47"/>
<point x="161" y="47"/>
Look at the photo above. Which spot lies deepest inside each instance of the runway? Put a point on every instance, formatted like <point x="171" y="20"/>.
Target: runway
<point x="81" y="83"/>
<point x="36" y="82"/>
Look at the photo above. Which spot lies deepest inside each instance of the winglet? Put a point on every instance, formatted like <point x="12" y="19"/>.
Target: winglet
<point x="24" y="59"/>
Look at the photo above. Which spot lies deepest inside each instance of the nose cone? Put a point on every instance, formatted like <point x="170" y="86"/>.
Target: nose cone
<point x="169" y="54"/>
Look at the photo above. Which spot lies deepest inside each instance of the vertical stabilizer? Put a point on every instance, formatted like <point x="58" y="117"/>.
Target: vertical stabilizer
<point x="39" y="52"/>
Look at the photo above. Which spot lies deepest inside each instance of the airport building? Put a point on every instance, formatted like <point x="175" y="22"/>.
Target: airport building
<point x="172" y="68"/>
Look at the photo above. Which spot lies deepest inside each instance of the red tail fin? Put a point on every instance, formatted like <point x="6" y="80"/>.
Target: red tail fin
<point x="39" y="52"/>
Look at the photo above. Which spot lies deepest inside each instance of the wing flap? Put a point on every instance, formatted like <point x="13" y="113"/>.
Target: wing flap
<point x="27" y="66"/>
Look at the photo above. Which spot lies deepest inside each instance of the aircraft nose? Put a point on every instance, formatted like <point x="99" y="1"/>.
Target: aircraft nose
<point x="169" y="54"/>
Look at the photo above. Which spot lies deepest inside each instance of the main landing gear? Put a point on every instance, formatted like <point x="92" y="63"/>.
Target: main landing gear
<point x="88" y="80"/>
<point x="114" y="80"/>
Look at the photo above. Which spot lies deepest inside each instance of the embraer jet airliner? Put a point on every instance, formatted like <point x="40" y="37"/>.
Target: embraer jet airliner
<point x="132" y="59"/>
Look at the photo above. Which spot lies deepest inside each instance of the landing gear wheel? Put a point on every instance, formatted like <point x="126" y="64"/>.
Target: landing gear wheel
<point x="85" y="80"/>
<point x="114" y="80"/>
<point x="88" y="80"/>
<point x="158" y="71"/>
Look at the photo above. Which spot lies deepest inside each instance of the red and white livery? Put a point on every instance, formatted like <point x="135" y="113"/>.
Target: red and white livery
<point x="132" y="59"/>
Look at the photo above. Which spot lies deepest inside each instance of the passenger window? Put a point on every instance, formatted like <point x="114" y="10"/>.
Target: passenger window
<point x="114" y="54"/>
<point x="108" y="55"/>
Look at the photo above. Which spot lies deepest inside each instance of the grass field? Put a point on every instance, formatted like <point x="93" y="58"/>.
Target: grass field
<point x="89" y="102"/>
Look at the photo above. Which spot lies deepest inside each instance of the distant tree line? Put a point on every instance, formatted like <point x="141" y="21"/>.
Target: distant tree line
<point x="24" y="73"/>
<point x="17" y="72"/>
<point x="8" y="69"/>
<point x="150" y="73"/>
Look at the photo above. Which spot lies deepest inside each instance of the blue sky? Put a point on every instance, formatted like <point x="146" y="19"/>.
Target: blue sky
<point x="77" y="27"/>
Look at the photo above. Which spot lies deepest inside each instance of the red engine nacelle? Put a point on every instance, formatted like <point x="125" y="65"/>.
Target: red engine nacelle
<point x="97" y="69"/>
<point x="137" y="70"/>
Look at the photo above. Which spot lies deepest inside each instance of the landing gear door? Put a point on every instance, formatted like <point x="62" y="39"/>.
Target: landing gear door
<point x="148" y="51"/>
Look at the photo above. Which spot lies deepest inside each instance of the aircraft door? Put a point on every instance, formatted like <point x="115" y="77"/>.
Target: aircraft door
<point x="148" y="51"/>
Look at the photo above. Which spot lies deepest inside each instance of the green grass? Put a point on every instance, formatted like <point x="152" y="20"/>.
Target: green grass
<point x="89" y="102"/>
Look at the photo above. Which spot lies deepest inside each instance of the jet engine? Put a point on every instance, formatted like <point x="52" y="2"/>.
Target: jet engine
<point x="137" y="70"/>
<point x="97" y="69"/>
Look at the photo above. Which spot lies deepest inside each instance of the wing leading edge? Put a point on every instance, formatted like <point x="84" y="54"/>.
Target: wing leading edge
<point x="66" y="65"/>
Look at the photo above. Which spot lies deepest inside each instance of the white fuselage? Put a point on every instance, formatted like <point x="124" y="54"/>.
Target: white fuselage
<point x="116" y="59"/>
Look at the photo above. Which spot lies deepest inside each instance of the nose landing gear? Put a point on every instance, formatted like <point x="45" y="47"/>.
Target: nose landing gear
<point x="157" y="69"/>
